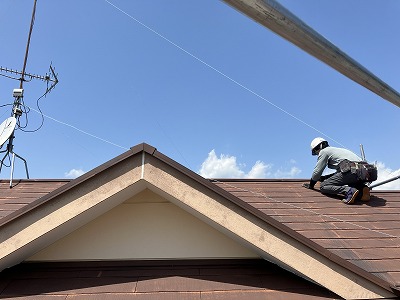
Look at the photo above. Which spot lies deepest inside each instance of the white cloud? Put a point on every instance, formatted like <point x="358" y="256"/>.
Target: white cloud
<point x="385" y="173"/>
<point x="259" y="170"/>
<point x="74" y="173"/>
<point x="226" y="167"/>
<point x="293" y="172"/>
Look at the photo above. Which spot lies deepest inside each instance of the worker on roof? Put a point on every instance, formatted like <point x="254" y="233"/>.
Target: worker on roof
<point x="350" y="176"/>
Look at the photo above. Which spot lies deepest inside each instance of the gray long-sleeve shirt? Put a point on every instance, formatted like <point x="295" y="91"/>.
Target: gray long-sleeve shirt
<point x="331" y="157"/>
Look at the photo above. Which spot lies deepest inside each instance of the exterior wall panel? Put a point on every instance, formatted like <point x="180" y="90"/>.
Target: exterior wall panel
<point x="144" y="227"/>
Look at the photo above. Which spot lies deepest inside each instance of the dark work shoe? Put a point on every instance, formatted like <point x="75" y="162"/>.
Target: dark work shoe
<point x="351" y="196"/>
<point x="366" y="196"/>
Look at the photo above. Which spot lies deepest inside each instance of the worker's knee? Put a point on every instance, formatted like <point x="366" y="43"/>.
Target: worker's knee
<point x="323" y="185"/>
<point x="326" y="188"/>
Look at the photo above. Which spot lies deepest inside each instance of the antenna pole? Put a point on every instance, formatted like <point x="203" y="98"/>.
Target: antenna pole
<point x="51" y="77"/>
<point x="27" y="44"/>
<point x="17" y="112"/>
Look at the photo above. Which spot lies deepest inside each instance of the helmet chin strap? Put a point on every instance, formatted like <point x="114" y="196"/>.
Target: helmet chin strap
<point x="319" y="148"/>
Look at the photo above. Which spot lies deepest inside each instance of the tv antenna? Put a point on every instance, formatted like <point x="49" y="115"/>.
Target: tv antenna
<point x="7" y="128"/>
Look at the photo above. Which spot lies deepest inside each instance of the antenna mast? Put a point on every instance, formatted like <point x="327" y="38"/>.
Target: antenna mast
<point x="9" y="124"/>
<point x="27" y="44"/>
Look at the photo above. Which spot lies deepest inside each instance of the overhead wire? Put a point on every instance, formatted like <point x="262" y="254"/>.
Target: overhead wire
<point x="39" y="111"/>
<point x="8" y="104"/>
<point x="258" y="96"/>
<point x="223" y="74"/>
<point x="172" y="43"/>
<point x="226" y="76"/>
<point x="173" y="144"/>
<point x="80" y="130"/>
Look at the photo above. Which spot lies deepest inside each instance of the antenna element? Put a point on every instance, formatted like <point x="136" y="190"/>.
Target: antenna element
<point x="7" y="128"/>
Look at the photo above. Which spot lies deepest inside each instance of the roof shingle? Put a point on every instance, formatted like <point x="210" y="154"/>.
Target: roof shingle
<point x="365" y="234"/>
<point x="23" y="193"/>
<point x="364" y="237"/>
<point x="188" y="279"/>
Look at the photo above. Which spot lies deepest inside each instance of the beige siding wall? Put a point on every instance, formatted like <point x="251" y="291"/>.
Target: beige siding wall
<point x="145" y="227"/>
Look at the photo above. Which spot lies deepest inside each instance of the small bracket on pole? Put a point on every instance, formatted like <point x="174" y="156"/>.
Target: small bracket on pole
<point x="362" y="152"/>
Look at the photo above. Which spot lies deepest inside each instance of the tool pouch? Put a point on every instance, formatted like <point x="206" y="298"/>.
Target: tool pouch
<point x="345" y="166"/>
<point x="365" y="171"/>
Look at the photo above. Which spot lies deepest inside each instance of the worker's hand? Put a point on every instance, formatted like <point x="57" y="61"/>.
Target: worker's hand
<point x="307" y="186"/>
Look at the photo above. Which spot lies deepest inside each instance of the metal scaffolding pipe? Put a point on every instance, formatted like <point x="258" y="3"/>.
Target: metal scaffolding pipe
<point x="274" y="16"/>
<point x="384" y="182"/>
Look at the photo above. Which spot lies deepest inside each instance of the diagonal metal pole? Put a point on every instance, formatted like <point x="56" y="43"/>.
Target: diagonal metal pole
<point x="384" y="182"/>
<point x="277" y="18"/>
<point x="28" y="43"/>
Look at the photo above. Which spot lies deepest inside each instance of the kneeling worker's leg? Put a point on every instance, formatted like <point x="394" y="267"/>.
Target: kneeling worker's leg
<point x="338" y="184"/>
<point x="334" y="185"/>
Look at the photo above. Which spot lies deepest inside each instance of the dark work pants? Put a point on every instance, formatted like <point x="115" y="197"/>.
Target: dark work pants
<point x="339" y="183"/>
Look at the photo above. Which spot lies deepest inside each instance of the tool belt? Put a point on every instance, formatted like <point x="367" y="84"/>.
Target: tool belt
<point x="365" y="171"/>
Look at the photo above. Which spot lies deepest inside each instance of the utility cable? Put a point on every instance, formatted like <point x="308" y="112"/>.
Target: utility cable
<point x="39" y="111"/>
<point x="173" y="144"/>
<point x="80" y="130"/>
<point x="222" y="73"/>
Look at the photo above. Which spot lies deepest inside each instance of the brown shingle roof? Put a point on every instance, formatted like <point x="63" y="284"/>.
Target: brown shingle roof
<point x="366" y="234"/>
<point x="188" y="279"/>
<point x="363" y="238"/>
<point x="24" y="192"/>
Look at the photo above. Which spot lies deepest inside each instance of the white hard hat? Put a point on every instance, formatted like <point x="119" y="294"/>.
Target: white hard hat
<point x="315" y="142"/>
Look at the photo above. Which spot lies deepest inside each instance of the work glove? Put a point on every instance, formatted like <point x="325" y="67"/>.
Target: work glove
<point x="309" y="185"/>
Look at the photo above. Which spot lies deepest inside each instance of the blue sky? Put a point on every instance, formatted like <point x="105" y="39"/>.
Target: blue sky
<point x="201" y="82"/>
